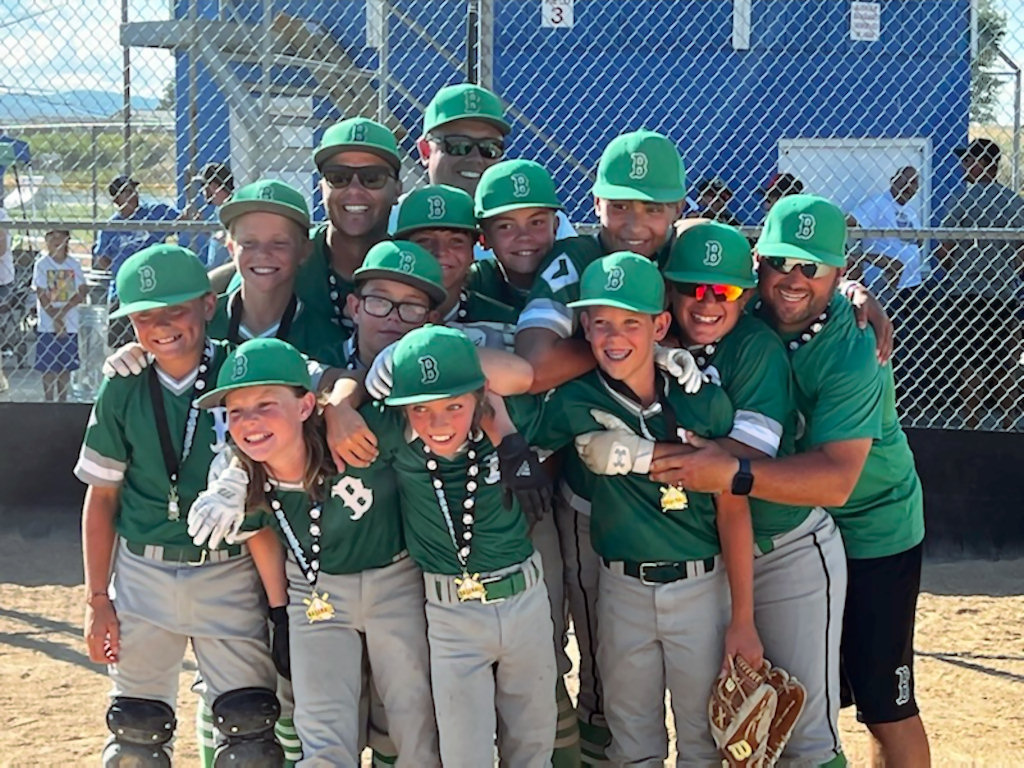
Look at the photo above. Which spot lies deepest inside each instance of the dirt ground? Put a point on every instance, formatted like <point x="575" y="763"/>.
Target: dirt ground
<point x="970" y="662"/>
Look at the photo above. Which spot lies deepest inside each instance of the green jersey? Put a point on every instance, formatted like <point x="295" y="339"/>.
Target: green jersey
<point x="313" y="335"/>
<point x="499" y="533"/>
<point x="558" y="283"/>
<point x="488" y="279"/>
<point x="360" y="524"/>
<point x="844" y="394"/>
<point x="321" y="288"/>
<point x="632" y="517"/>
<point x="750" y="363"/>
<point x="121" y="449"/>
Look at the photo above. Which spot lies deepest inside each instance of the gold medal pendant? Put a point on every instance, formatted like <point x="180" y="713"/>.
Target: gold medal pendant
<point x="173" y="509"/>
<point x="469" y="587"/>
<point x="318" y="608"/>
<point x="673" y="499"/>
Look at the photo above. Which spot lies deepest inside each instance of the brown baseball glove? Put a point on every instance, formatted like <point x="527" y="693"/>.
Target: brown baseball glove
<point x="752" y="713"/>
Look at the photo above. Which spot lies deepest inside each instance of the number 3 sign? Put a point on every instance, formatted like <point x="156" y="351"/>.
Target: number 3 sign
<point x="556" y="14"/>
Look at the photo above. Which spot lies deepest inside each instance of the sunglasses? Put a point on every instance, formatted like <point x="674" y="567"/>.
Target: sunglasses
<point x="408" y="312"/>
<point x="809" y="269"/>
<point x="370" y="176"/>
<point x="460" y="146"/>
<point x="700" y="290"/>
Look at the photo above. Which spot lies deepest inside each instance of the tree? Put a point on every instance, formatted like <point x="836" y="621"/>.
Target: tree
<point x="984" y="85"/>
<point x="167" y="98"/>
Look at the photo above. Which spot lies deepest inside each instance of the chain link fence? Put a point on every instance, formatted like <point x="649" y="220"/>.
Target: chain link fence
<point x="868" y="103"/>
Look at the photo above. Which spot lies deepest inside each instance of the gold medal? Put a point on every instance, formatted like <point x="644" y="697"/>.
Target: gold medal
<point x="469" y="587"/>
<point x="673" y="498"/>
<point x="318" y="608"/>
<point x="173" y="510"/>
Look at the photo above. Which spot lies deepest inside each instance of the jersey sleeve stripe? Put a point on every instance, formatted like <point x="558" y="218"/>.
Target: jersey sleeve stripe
<point x="95" y="469"/>
<point x="544" y="313"/>
<point x="757" y="430"/>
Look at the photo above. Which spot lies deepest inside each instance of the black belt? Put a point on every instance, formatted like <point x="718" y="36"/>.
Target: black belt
<point x="662" y="572"/>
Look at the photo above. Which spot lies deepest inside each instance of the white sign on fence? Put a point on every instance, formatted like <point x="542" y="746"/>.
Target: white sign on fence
<point x="556" y="14"/>
<point x="865" y="21"/>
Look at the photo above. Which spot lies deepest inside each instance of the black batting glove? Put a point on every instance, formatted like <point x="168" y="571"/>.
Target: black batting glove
<point x="523" y="479"/>
<point x="280" y="645"/>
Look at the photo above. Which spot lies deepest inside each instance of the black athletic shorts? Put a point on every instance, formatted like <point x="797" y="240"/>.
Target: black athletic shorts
<point x="877" y="652"/>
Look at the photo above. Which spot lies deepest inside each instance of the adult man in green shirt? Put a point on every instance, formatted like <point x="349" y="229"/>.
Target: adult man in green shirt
<point x="854" y="460"/>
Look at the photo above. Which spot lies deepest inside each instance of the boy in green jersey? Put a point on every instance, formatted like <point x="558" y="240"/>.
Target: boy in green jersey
<point x="800" y="566"/>
<point x="516" y="207"/>
<point x="671" y="559"/>
<point x="348" y="585"/>
<point x="139" y="486"/>
<point x="854" y="461"/>
<point x="440" y="219"/>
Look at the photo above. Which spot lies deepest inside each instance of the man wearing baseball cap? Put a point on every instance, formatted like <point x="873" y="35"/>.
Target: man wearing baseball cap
<point x="778" y="186"/>
<point x="713" y="196"/>
<point x="464" y="134"/>
<point x="216" y="184"/>
<point x="854" y="460"/>
<point x="359" y="163"/>
<point x="983" y="289"/>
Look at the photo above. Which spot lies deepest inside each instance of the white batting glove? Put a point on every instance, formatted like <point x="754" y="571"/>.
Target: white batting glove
<point x="616" y="450"/>
<point x="680" y="365"/>
<point x="379" y="378"/>
<point x="217" y="513"/>
<point x="129" y="360"/>
<point x="488" y="334"/>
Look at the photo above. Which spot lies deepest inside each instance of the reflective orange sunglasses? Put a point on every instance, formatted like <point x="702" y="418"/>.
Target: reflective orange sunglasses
<point x="719" y="291"/>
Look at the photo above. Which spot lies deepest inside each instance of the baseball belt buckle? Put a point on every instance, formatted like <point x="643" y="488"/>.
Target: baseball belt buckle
<point x="645" y="567"/>
<point x="484" y="598"/>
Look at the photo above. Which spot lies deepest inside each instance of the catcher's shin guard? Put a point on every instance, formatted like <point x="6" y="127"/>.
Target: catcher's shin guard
<point x="246" y="716"/>
<point x="141" y="728"/>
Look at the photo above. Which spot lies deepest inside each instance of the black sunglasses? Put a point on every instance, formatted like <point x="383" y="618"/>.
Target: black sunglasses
<point x="460" y="146"/>
<point x="370" y="176"/>
<point x="809" y="269"/>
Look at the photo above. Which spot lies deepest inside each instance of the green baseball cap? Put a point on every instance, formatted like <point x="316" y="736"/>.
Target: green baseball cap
<point x="403" y="262"/>
<point x="805" y="227"/>
<point x="438" y="206"/>
<point x="431" y="363"/>
<point x="642" y="165"/>
<point x="268" y="196"/>
<point x="711" y="252"/>
<point x="624" y="280"/>
<point x="258" y="363"/>
<point x="514" y="184"/>
<point x="358" y="134"/>
<point x="159" y="276"/>
<point x="464" y="102"/>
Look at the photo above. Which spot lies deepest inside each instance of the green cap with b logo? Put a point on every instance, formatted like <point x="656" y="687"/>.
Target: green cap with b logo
<point x="464" y="102"/>
<point x="711" y="252"/>
<point x="266" y="196"/>
<point x="358" y="134"/>
<point x="403" y="262"/>
<point x="432" y="363"/>
<point x="512" y="185"/>
<point x="624" y="280"/>
<point x="642" y="165"/>
<point x="805" y="227"/>
<point x="259" y="363"/>
<point x="438" y="206"/>
<point x="161" y="275"/>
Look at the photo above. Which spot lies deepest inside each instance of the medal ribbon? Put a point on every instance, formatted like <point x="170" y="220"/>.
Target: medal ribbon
<point x="310" y="567"/>
<point x="172" y="464"/>
<point x="469" y="504"/>
<point x="284" y="327"/>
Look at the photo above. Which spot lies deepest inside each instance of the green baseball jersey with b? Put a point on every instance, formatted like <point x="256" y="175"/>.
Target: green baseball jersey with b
<point x="361" y="526"/>
<point x="121" y="449"/>
<point x="313" y="335"/>
<point x="750" y="363"/>
<point x="499" y="533"/>
<point x="844" y="394"/>
<point x="486" y="278"/>
<point x="313" y="282"/>
<point x="632" y="517"/>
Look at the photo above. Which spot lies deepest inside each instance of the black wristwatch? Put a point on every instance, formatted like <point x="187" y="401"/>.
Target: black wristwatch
<point x="743" y="480"/>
